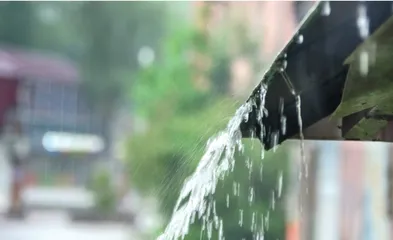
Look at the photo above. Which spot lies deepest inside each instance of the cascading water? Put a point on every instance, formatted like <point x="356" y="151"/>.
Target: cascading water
<point x="299" y="119"/>
<point x="217" y="161"/>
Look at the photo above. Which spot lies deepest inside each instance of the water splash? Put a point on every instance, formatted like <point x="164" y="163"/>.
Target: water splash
<point x="216" y="163"/>
<point x="217" y="160"/>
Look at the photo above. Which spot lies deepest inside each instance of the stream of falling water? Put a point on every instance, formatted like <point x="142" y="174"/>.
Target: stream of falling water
<point x="195" y="196"/>
<point x="298" y="103"/>
<point x="217" y="161"/>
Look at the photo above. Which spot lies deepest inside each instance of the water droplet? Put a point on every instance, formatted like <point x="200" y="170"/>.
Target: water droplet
<point x="249" y="165"/>
<point x="300" y="39"/>
<point x="326" y="10"/>
<point x="209" y="229"/>
<point x="227" y="200"/>
<point x="267" y="221"/>
<point x="251" y="195"/>
<point x="221" y="231"/>
<point x="253" y="222"/>
<point x="284" y="65"/>
<point x="202" y="230"/>
<point x="215" y="217"/>
<point x="364" y="63"/>
<point x="241" y="217"/>
<point x="261" y="172"/>
<point x="216" y="221"/>
<point x="279" y="187"/>
<point x="262" y="223"/>
<point x="300" y="123"/>
<point x="234" y="189"/>
<point x="363" y="21"/>
<point x="283" y="119"/>
<point x="273" y="200"/>
<point x="209" y="209"/>
<point x="283" y="122"/>
<point x="274" y="139"/>
<point x="262" y="110"/>
<point x="281" y="106"/>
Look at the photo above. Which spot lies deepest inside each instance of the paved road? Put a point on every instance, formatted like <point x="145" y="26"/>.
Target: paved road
<point x="48" y="230"/>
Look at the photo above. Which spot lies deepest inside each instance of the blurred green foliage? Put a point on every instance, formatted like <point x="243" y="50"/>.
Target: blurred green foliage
<point x="103" y="190"/>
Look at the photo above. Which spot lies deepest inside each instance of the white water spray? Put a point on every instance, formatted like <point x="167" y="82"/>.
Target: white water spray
<point x="217" y="160"/>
